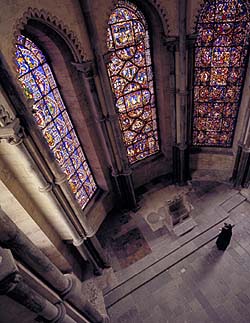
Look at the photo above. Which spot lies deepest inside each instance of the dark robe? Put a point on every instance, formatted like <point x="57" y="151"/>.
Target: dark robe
<point x="224" y="238"/>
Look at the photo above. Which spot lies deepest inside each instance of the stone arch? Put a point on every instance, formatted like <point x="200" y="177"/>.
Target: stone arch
<point x="63" y="51"/>
<point x="155" y="17"/>
<point x="55" y="24"/>
<point x="146" y="8"/>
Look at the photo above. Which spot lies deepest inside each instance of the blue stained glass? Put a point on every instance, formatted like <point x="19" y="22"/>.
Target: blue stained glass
<point x="41" y="80"/>
<point x="52" y="118"/>
<point x="82" y="174"/>
<point x="68" y="167"/>
<point x="71" y="142"/>
<point x="30" y="86"/>
<point x="75" y="183"/>
<point x="82" y="197"/>
<point x="61" y="153"/>
<point x="77" y="158"/>
<point x="52" y="135"/>
<point x="41" y="114"/>
<point x="61" y="126"/>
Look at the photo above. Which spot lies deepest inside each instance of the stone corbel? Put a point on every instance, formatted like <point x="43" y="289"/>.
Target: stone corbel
<point x="246" y="149"/>
<point x="107" y="57"/>
<point x="8" y="271"/>
<point x="191" y="39"/>
<point x="12" y="132"/>
<point x="112" y="117"/>
<point x="125" y="172"/>
<point x="87" y="68"/>
<point x="171" y="43"/>
<point x="5" y="117"/>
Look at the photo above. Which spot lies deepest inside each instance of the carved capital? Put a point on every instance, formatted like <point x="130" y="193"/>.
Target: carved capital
<point x="87" y="68"/>
<point x="47" y="188"/>
<point x="12" y="132"/>
<point x="112" y="117"/>
<point x="9" y="283"/>
<point x="126" y="172"/>
<point x="182" y="146"/>
<point x="60" y="179"/>
<point x="246" y="149"/>
<point x="171" y="43"/>
<point x="5" y="117"/>
<point x="107" y="57"/>
<point x="191" y="39"/>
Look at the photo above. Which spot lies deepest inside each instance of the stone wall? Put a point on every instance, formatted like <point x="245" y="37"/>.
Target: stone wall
<point x="63" y="30"/>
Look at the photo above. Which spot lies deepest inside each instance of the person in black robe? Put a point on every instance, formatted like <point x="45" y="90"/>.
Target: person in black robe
<point x="224" y="237"/>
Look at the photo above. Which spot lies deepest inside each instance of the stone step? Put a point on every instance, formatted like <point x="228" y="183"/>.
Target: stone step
<point x="184" y="227"/>
<point x="233" y="202"/>
<point x="173" y="257"/>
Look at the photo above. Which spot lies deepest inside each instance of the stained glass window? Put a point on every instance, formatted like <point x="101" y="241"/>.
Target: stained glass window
<point x="220" y="61"/>
<point x="131" y="78"/>
<point x="52" y="118"/>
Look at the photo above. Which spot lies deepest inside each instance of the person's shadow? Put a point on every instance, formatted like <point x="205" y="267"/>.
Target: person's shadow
<point x="209" y="262"/>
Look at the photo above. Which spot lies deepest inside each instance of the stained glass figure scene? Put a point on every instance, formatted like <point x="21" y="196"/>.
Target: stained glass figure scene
<point x="52" y="118"/>
<point x="220" y="61"/>
<point x="131" y="78"/>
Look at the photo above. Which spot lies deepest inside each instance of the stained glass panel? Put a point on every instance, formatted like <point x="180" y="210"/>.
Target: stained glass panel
<point x="52" y="118"/>
<point x="131" y="79"/>
<point x="220" y="61"/>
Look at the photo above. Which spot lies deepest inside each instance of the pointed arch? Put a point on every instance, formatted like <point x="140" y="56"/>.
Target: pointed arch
<point x="51" y="116"/>
<point x="131" y="77"/>
<point x="221" y="52"/>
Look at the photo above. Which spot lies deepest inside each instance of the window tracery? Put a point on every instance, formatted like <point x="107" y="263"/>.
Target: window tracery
<point x="220" y="61"/>
<point x="131" y="78"/>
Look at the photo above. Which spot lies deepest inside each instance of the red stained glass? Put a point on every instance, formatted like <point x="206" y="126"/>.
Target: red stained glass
<point x="131" y="78"/>
<point x="220" y="62"/>
<point x="52" y="118"/>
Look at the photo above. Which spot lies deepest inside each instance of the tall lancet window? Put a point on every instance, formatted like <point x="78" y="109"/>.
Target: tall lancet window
<point x="131" y="78"/>
<point x="220" y="62"/>
<point x="51" y="116"/>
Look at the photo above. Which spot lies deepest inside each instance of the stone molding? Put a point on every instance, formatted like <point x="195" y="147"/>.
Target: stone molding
<point x="195" y="18"/>
<point x="55" y="23"/>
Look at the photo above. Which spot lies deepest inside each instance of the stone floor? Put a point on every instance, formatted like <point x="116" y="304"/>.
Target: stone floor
<point x="159" y="277"/>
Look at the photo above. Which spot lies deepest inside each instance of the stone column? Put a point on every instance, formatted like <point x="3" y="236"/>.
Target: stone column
<point x="190" y="83"/>
<point x="96" y="257"/>
<point x="12" y="132"/>
<point x="13" y="286"/>
<point x="53" y="181"/>
<point x="241" y="171"/>
<point x="180" y="150"/>
<point x="68" y="286"/>
<point x="121" y="172"/>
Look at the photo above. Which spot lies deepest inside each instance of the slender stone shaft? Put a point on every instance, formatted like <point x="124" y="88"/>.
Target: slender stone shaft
<point x="14" y="287"/>
<point x="67" y="286"/>
<point x="13" y="238"/>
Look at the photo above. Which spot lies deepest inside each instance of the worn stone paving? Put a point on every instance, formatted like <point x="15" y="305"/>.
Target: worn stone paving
<point x="205" y="285"/>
